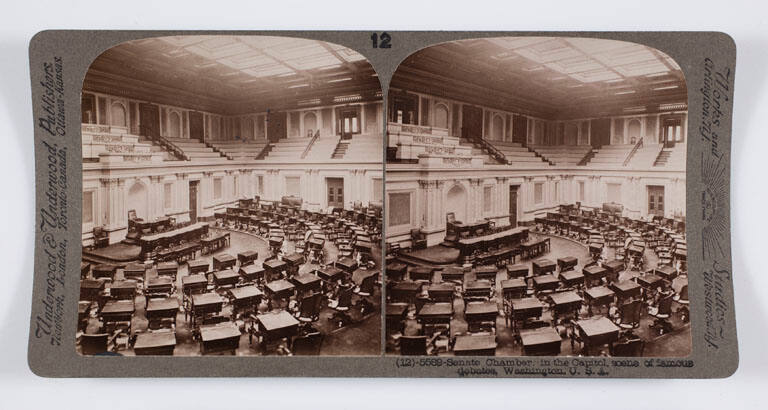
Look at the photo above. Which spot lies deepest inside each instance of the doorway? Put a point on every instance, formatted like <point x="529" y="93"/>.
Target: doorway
<point x="196" y="125"/>
<point x="656" y="200"/>
<point x="193" y="187"/>
<point x="456" y="203"/>
<point x="513" y="205"/>
<point x="404" y="109"/>
<point x="149" y="120"/>
<point x="348" y="123"/>
<point x="601" y="132"/>
<point x="472" y="122"/>
<point x="671" y="131"/>
<point x="335" y="192"/>
<point x="277" y="126"/>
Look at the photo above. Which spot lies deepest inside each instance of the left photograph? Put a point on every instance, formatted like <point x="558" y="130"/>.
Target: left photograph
<point x="232" y="199"/>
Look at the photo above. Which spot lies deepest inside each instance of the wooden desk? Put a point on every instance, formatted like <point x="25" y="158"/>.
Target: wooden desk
<point x="245" y="298"/>
<point x="475" y="345"/>
<point x="226" y="277"/>
<point x="613" y="267"/>
<point x="198" y="266"/>
<point x="346" y="264"/>
<point x="116" y="311"/>
<point x="565" y="303"/>
<point x="526" y="308"/>
<point x="134" y="271"/>
<point x="598" y="296"/>
<point x="221" y="337"/>
<point x="476" y="313"/>
<point x="396" y="271"/>
<point x="308" y="282"/>
<point x="123" y="289"/>
<point x="396" y="314"/>
<point x="545" y="282"/>
<point x="625" y="289"/>
<point x="649" y="281"/>
<point x="104" y="270"/>
<point x="517" y="271"/>
<point x="571" y="278"/>
<point x="566" y="263"/>
<point x="597" y="331"/>
<point x="155" y="344"/>
<point x="441" y="292"/>
<point x="478" y="289"/>
<point x="666" y="272"/>
<point x="158" y="285"/>
<point x="543" y="266"/>
<point x="274" y="268"/>
<point x="330" y="274"/>
<point x="435" y="314"/>
<point x="247" y="257"/>
<point x="252" y="273"/>
<point x="451" y="273"/>
<point x="277" y="325"/>
<point x="223" y="261"/>
<point x="594" y="273"/>
<point x="486" y="273"/>
<point x="193" y="284"/>
<point x="159" y="309"/>
<point x="421" y="273"/>
<point x="206" y="303"/>
<point x="513" y="288"/>
<point x="541" y="342"/>
<point x="168" y="269"/>
<point x="279" y="289"/>
<point x="405" y="292"/>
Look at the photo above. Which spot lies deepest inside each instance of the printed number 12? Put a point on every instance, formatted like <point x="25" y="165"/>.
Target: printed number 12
<point x="381" y="41"/>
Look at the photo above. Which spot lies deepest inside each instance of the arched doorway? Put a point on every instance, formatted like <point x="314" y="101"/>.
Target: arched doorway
<point x="138" y="200"/>
<point x="175" y="125"/>
<point x="456" y="202"/>
<point x="310" y="123"/>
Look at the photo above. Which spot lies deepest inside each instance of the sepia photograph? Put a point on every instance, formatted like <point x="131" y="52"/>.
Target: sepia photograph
<point x="232" y="199"/>
<point x="536" y="200"/>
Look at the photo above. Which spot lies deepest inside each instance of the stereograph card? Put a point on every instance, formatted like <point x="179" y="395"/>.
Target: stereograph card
<point x="382" y="204"/>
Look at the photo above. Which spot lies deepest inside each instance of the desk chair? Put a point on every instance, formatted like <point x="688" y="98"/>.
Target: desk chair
<point x="629" y="315"/>
<point x="307" y="345"/>
<point x="662" y="312"/>
<point x="630" y="348"/>
<point x="91" y="344"/>
<point x="309" y="308"/>
<point x="418" y="239"/>
<point x="413" y="345"/>
<point x="342" y="306"/>
<point x="364" y="291"/>
<point x="682" y="297"/>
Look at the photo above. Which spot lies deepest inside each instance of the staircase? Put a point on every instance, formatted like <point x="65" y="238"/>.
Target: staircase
<point x="672" y="158"/>
<point x="362" y="148"/>
<point x="195" y="150"/>
<point x="645" y="156"/>
<point x="341" y="149"/>
<point x="562" y="154"/>
<point x="611" y="155"/>
<point x="238" y="149"/>
<point x="287" y="149"/>
<point x="662" y="159"/>
<point x="323" y="148"/>
<point x="491" y="156"/>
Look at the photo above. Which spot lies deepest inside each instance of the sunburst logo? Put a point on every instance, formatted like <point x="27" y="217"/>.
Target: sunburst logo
<point x="714" y="198"/>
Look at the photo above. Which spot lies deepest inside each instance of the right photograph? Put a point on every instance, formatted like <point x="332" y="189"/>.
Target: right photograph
<point x="535" y="200"/>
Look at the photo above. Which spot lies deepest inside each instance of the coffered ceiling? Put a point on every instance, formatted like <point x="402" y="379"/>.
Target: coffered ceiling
<point x="232" y="74"/>
<point x="554" y="77"/>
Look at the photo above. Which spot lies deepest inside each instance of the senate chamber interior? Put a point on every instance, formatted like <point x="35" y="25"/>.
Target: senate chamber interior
<point x="232" y="199"/>
<point x="535" y="200"/>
